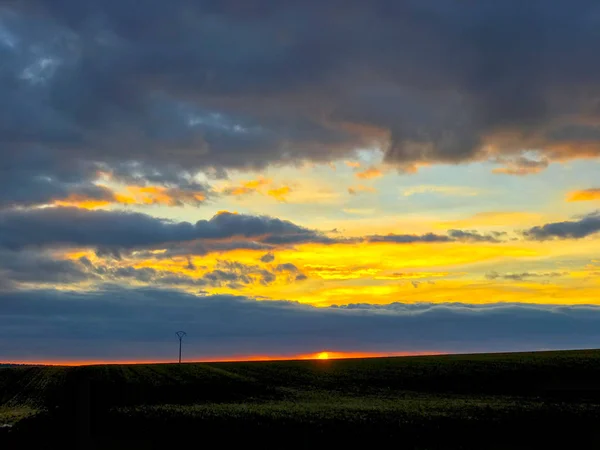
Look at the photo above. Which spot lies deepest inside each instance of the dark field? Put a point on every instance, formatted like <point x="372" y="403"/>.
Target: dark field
<point x="499" y="401"/>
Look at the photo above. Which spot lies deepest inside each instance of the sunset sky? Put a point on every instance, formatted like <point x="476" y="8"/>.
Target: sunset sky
<point x="285" y="178"/>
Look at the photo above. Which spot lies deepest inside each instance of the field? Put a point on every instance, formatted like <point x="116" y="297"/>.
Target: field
<point x="498" y="401"/>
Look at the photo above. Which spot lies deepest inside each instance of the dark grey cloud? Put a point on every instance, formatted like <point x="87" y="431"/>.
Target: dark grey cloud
<point x="117" y="323"/>
<point x="161" y="92"/>
<point x="520" y="166"/>
<point x="475" y="236"/>
<point x="118" y="235"/>
<point x="6" y="284"/>
<point x="118" y="229"/>
<point x="292" y="271"/>
<point x="26" y="192"/>
<point x="204" y="247"/>
<point x="234" y="273"/>
<point x="26" y="235"/>
<point x="32" y="267"/>
<point x="286" y="267"/>
<point x="408" y="238"/>
<point x="573" y="229"/>
<point x="452" y="236"/>
<point x="36" y="175"/>
<point x="267" y="257"/>
<point x="190" y="264"/>
<point x="38" y="267"/>
<point x="522" y="275"/>
<point x="231" y="274"/>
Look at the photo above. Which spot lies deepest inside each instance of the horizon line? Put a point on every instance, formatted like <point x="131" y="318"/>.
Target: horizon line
<point x="322" y="356"/>
<point x="318" y="356"/>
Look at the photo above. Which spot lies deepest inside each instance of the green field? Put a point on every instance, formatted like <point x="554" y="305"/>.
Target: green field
<point x="500" y="401"/>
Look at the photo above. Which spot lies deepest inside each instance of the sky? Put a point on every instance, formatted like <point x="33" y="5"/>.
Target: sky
<point x="286" y="178"/>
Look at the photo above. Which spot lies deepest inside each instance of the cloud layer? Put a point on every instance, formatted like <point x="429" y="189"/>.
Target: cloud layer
<point x="111" y="231"/>
<point x="155" y="94"/>
<point x="117" y="323"/>
<point x="572" y="229"/>
<point x="452" y="236"/>
<point x="126" y="230"/>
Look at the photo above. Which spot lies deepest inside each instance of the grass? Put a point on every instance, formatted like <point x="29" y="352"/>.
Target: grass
<point x="519" y="400"/>
<point x="11" y="415"/>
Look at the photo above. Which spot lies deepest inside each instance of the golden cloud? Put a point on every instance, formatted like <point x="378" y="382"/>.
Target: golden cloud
<point x="370" y="173"/>
<point x="135" y="195"/>
<point x="584" y="195"/>
<point x="247" y="187"/>
<point x="158" y="195"/>
<point x="82" y="201"/>
<point x="354" y="190"/>
<point x="280" y="194"/>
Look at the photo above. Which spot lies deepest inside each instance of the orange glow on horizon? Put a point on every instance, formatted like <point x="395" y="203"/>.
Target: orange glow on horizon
<point x="328" y="355"/>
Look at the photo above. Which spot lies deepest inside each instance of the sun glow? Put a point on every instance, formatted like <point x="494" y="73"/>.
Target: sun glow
<point x="234" y="358"/>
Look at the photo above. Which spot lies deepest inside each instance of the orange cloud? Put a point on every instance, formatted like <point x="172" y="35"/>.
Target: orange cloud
<point x="241" y="190"/>
<point x="256" y="186"/>
<point x="353" y="164"/>
<point x="367" y="174"/>
<point x="136" y="195"/>
<point x="411" y="169"/>
<point x="99" y="197"/>
<point x="584" y="195"/>
<point x="247" y="187"/>
<point x="354" y="190"/>
<point x="280" y="194"/>
<point x="158" y="195"/>
<point x="517" y="171"/>
<point x="82" y="201"/>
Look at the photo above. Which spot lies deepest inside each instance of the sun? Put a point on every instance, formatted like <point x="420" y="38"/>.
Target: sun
<point x="323" y="355"/>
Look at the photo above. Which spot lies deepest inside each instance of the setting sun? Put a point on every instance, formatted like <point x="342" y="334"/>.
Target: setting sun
<point x="323" y="355"/>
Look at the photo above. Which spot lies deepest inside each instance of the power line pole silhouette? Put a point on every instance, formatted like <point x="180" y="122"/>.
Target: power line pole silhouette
<point x="180" y="335"/>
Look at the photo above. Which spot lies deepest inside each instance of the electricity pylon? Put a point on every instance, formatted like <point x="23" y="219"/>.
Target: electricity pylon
<point x="180" y="335"/>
